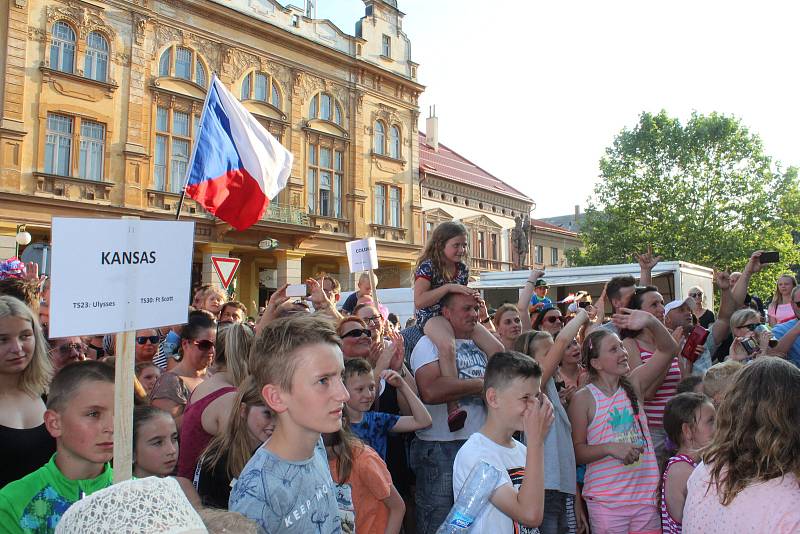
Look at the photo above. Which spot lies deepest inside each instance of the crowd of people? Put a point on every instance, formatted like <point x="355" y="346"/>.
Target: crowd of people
<point x="621" y="414"/>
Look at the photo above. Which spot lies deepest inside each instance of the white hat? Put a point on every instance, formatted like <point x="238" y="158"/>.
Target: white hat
<point x="149" y="505"/>
<point x="675" y="304"/>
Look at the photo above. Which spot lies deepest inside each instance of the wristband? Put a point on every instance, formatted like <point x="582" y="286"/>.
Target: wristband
<point x="484" y="321"/>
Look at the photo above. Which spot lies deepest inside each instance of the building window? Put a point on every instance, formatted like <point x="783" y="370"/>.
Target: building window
<point x="62" y="48"/>
<point x="553" y="256"/>
<point x="90" y="165"/>
<point x="388" y="205"/>
<point x="380" y="204"/>
<point x="173" y="144"/>
<point x="325" y="179"/>
<point x="539" y="254"/>
<point x="260" y="86"/>
<point x="494" y="247"/>
<point x="380" y="138"/>
<point x="386" y="46"/>
<point x="58" y="145"/>
<point x="96" y="61"/>
<point x="481" y="245"/>
<point x="61" y="136"/>
<point x="394" y="142"/>
<point x="324" y="106"/>
<point x="182" y="63"/>
<point x="429" y="226"/>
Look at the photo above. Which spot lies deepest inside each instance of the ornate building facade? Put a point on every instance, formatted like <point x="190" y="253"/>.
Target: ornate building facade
<point x="99" y="103"/>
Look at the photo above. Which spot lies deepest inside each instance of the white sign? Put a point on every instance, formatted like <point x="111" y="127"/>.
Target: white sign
<point x="114" y="275"/>
<point x="362" y="255"/>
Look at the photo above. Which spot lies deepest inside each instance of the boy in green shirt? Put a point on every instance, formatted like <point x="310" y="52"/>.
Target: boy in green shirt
<point x="80" y="416"/>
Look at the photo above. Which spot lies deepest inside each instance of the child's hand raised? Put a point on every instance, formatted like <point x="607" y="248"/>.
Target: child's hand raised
<point x="392" y="378"/>
<point x="537" y="418"/>
<point x="629" y="319"/>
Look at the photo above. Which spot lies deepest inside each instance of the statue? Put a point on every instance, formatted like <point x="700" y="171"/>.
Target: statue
<point x="520" y="239"/>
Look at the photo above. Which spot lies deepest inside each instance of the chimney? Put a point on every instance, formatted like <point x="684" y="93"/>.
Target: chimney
<point x="432" y="129"/>
<point x="577" y="212"/>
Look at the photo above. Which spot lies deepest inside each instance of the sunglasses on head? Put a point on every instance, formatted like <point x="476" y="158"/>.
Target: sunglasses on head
<point x="67" y="349"/>
<point x="203" y="344"/>
<point x="141" y="340"/>
<point x="358" y="332"/>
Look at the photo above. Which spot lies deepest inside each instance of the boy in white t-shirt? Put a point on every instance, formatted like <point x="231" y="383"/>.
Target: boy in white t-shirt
<point x="513" y="403"/>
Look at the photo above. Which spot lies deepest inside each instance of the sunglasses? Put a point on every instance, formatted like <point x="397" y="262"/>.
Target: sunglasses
<point x="66" y="350"/>
<point x="203" y="344"/>
<point x="695" y="295"/>
<point x="752" y="327"/>
<point x="358" y="332"/>
<point x="141" y="340"/>
<point x="374" y="319"/>
<point x="553" y="319"/>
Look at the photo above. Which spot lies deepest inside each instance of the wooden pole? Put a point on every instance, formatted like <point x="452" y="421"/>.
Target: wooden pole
<point x="373" y="280"/>
<point x="123" y="406"/>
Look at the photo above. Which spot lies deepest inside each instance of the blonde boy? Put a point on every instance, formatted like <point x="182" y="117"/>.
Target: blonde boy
<point x="717" y="379"/>
<point x="286" y="486"/>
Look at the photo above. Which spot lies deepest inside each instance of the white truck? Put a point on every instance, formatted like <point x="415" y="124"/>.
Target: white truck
<point x="673" y="278"/>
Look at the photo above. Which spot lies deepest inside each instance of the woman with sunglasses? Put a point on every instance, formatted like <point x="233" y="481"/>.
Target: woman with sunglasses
<point x="703" y="315"/>
<point x="207" y="411"/>
<point x="549" y="320"/>
<point x="25" y="370"/>
<point x="174" y="387"/>
<point x="750" y="337"/>
<point x="147" y="341"/>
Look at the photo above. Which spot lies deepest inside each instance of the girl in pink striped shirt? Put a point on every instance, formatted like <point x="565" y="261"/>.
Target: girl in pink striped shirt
<point x="689" y="423"/>
<point x="609" y="429"/>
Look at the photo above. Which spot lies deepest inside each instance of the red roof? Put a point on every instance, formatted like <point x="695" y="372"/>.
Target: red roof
<point x="446" y="163"/>
<point x="537" y="223"/>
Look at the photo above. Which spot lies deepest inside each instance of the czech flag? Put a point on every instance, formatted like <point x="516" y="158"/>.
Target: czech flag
<point x="237" y="166"/>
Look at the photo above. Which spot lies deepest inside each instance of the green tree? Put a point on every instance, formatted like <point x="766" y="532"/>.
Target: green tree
<point x="703" y="192"/>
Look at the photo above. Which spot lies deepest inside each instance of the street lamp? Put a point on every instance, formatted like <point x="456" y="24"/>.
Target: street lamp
<point x="23" y="238"/>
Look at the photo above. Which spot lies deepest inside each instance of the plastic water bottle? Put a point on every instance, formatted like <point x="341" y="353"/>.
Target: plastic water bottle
<point x="472" y="498"/>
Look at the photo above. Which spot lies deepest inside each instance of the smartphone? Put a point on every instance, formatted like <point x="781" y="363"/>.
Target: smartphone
<point x="770" y="257"/>
<point x="749" y="345"/>
<point x="584" y="304"/>
<point x="697" y="337"/>
<point x="297" y="290"/>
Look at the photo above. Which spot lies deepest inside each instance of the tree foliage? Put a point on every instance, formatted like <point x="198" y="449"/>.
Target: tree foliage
<point x="703" y="192"/>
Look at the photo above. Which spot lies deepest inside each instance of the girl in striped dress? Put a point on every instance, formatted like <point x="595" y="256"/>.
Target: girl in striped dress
<point x="610" y="432"/>
<point x="689" y="423"/>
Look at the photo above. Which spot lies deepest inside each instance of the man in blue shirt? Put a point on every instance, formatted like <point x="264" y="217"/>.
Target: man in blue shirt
<point x="788" y="333"/>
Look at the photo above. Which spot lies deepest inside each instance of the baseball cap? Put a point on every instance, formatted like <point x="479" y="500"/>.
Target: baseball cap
<point x="541" y="282"/>
<point x="675" y="304"/>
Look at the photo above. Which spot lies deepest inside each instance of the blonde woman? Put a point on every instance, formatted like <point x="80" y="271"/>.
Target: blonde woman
<point x="25" y="371"/>
<point x="700" y="310"/>
<point x="209" y="406"/>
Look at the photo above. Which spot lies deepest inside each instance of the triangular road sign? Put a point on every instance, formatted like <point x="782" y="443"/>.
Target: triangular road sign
<point x="226" y="268"/>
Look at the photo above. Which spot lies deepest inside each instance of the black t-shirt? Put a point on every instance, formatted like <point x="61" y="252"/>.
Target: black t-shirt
<point x="706" y="319"/>
<point x="214" y="485"/>
<point x="23" y="451"/>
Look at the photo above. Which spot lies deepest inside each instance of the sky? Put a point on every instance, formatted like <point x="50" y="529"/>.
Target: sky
<point x="533" y="92"/>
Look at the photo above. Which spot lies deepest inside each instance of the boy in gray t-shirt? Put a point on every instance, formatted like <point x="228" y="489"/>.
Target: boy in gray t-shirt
<point x="286" y="486"/>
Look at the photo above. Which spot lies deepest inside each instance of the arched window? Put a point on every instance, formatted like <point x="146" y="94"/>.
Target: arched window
<point x="324" y="106"/>
<point x="62" y="49"/>
<point x="379" y="142"/>
<point x="260" y="86"/>
<point x="394" y="142"/>
<point x="182" y="63"/>
<point x="96" y="63"/>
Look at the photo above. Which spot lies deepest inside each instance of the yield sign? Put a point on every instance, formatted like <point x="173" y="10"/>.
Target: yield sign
<point x="226" y="268"/>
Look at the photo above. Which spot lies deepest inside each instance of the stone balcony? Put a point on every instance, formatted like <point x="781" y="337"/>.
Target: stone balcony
<point x="389" y="233"/>
<point x="72" y="188"/>
<point x="286" y="214"/>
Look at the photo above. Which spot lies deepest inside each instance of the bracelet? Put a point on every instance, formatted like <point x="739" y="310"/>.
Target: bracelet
<point x="484" y="321"/>
<point x="529" y="282"/>
<point x="402" y="370"/>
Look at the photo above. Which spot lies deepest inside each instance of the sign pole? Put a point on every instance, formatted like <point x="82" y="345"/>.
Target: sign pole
<point x="123" y="406"/>
<point x="373" y="280"/>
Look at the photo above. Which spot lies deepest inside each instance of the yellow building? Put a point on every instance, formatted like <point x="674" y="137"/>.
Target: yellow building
<point x="99" y="102"/>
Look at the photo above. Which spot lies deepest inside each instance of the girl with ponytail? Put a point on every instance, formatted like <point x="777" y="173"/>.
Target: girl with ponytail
<point x="609" y="428"/>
